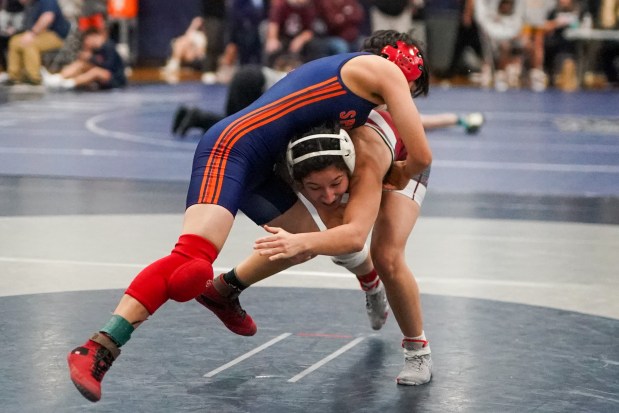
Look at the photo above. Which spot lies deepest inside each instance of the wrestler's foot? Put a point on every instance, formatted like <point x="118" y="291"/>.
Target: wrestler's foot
<point x="417" y="363"/>
<point x="228" y="310"/>
<point x="472" y="122"/>
<point x="377" y="307"/>
<point x="89" y="363"/>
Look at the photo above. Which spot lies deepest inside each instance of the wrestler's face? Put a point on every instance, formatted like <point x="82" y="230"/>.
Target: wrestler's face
<point x="326" y="187"/>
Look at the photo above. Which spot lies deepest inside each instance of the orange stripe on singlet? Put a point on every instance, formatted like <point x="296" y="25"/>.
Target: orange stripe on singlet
<point x="222" y="136"/>
<point x="224" y="159"/>
<point x="251" y="121"/>
<point x="243" y="129"/>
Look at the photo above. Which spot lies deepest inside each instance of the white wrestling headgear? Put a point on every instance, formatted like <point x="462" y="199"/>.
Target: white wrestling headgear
<point x="346" y="150"/>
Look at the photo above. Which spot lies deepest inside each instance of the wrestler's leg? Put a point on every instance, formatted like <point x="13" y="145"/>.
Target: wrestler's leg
<point x="395" y="222"/>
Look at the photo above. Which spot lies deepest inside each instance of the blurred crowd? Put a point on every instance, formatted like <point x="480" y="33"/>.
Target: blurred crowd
<point x="59" y="44"/>
<point x="498" y="44"/>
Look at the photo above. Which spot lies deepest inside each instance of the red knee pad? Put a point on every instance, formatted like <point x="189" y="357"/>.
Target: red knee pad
<point x="189" y="280"/>
<point x="181" y="276"/>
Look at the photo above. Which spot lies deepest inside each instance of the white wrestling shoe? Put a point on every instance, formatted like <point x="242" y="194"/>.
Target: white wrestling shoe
<point x="472" y="122"/>
<point x="417" y="363"/>
<point x="377" y="306"/>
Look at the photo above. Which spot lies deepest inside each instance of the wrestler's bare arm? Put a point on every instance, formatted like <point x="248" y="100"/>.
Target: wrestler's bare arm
<point x="380" y="81"/>
<point x="373" y="160"/>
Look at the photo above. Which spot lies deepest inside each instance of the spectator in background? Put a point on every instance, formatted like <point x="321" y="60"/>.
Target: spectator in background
<point x="560" y="52"/>
<point x="189" y="48"/>
<point x="98" y="66"/>
<point x="11" y="22"/>
<point x="245" y="19"/>
<point x="391" y="15"/>
<point x="366" y="26"/>
<point x="93" y="14"/>
<point x="467" y="37"/>
<point x="290" y="29"/>
<point x="342" y="20"/>
<point x="46" y="29"/>
<point x="500" y="24"/>
<point x="244" y="40"/>
<point x="533" y="34"/>
<point x="214" y="13"/>
<point x="609" y="51"/>
<point x="84" y="14"/>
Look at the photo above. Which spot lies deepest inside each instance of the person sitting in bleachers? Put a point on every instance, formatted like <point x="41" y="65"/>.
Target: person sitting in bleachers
<point x="609" y="50"/>
<point x="189" y="48"/>
<point x="533" y="35"/>
<point x="46" y="29"/>
<point x="98" y="66"/>
<point x="342" y="21"/>
<point x="560" y="52"/>
<point x="290" y="30"/>
<point x="500" y="23"/>
<point x="11" y="22"/>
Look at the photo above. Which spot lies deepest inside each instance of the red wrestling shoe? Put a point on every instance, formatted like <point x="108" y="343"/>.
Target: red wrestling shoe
<point x="89" y="363"/>
<point x="228" y="310"/>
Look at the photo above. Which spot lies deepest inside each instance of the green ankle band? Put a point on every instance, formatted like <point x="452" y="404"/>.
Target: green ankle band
<point x="118" y="329"/>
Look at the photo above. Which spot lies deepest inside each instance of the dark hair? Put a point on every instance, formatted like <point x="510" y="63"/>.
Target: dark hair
<point x="317" y="163"/>
<point x="381" y="38"/>
<point x="91" y="31"/>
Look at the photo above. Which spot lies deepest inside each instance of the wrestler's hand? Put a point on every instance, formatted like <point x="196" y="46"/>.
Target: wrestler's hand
<point x="397" y="178"/>
<point x="282" y="245"/>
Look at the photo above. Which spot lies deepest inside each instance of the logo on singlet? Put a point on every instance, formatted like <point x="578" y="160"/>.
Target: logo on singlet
<point x="347" y="119"/>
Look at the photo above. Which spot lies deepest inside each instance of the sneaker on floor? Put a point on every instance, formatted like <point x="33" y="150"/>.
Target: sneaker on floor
<point x="67" y="84"/>
<point x="171" y="78"/>
<point x="500" y="81"/>
<point x="417" y="363"/>
<point x="228" y="310"/>
<point x="52" y="81"/>
<point x="377" y="306"/>
<point x="9" y="82"/>
<point x="538" y="80"/>
<point x="89" y="363"/>
<point x="209" y="78"/>
<point x="472" y="122"/>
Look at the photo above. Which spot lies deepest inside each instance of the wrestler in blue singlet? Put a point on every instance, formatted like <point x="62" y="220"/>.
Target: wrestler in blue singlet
<point x="233" y="163"/>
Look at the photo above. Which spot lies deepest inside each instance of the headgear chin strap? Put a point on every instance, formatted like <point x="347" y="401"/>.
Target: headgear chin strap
<point x="407" y="57"/>
<point x="346" y="150"/>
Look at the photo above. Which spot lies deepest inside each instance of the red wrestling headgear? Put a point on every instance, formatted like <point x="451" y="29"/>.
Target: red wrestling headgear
<point x="408" y="58"/>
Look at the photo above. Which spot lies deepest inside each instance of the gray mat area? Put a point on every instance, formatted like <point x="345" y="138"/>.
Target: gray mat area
<point x="488" y="357"/>
<point x="22" y="196"/>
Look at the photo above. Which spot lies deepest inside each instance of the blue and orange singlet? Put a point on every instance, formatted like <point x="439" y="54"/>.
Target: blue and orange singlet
<point x="237" y="154"/>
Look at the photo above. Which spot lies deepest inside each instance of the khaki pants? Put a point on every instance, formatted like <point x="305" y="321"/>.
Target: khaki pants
<point x="24" y="62"/>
